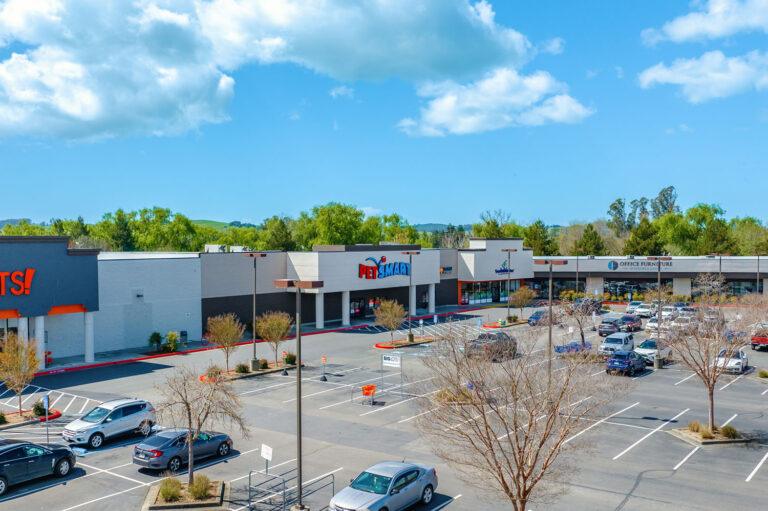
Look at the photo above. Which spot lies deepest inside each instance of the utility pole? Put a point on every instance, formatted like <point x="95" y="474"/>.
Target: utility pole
<point x="256" y="256"/>
<point x="509" y="275"/>
<point x="550" y="263"/>
<point x="658" y="260"/>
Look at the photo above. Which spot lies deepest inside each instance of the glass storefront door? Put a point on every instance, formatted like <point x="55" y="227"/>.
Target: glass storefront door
<point x="495" y="291"/>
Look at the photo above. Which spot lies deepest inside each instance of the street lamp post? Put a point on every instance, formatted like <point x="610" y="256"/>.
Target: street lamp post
<point x="658" y="260"/>
<point x="256" y="256"/>
<point x="509" y="276"/>
<point x="757" y="280"/>
<point x="298" y="285"/>
<point x="551" y="263"/>
<point x="410" y="255"/>
<point x="577" y="273"/>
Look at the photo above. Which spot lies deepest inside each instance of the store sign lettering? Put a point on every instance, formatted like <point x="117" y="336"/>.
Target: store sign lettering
<point x="503" y="269"/>
<point x="381" y="269"/>
<point x="641" y="265"/>
<point x="17" y="282"/>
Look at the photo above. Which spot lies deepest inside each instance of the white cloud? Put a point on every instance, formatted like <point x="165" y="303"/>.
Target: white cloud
<point x="680" y="128"/>
<point x="163" y="66"/>
<point x="371" y="211"/>
<point x="342" y="91"/>
<point x="716" y="19"/>
<point x="711" y="76"/>
<point x="554" y="46"/>
<point x="502" y="98"/>
<point x="619" y="72"/>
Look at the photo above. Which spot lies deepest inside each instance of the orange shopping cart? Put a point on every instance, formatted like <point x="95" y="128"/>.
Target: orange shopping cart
<point x="369" y="393"/>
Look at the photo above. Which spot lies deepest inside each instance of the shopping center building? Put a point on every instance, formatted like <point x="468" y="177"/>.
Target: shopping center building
<point x="77" y="303"/>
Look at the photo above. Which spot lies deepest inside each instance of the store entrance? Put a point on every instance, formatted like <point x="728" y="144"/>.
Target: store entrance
<point x="360" y="308"/>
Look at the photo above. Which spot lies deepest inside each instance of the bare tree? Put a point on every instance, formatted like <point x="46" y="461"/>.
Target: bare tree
<point x="390" y="315"/>
<point x="274" y="328"/>
<point x="580" y="313"/>
<point x="708" y="343"/>
<point x="226" y="331"/>
<point x="18" y="363"/>
<point x="187" y="402"/>
<point x="521" y="297"/>
<point x="502" y="427"/>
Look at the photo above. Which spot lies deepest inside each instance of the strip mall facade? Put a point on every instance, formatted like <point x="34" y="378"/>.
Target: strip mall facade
<point x="82" y="302"/>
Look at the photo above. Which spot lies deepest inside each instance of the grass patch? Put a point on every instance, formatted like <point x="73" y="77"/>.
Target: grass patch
<point x="170" y="489"/>
<point x="762" y="373"/>
<point x="242" y="369"/>
<point x="706" y="434"/>
<point x="729" y="432"/>
<point x="694" y="426"/>
<point x="200" y="487"/>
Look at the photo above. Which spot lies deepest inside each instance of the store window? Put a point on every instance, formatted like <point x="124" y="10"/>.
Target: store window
<point x="624" y="289"/>
<point x="495" y="291"/>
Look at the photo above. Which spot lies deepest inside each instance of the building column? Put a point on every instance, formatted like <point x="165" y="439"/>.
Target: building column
<point x="431" y="297"/>
<point x="320" y="310"/>
<point x="89" y="344"/>
<point x="40" y="338"/>
<point x="412" y="301"/>
<point x="595" y="284"/>
<point x="345" y="308"/>
<point x="681" y="286"/>
<point x="23" y="329"/>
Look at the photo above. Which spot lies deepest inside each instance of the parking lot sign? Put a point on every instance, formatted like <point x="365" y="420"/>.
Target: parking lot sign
<point x="390" y="361"/>
<point x="266" y="452"/>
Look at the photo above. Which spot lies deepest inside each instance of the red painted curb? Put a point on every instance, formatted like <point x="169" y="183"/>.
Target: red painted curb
<point x="207" y="348"/>
<point x="54" y="414"/>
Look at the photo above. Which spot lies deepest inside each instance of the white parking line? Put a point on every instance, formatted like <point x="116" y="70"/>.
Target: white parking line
<point x="8" y="401"/>
<point x="686" y="457"/>
<point x="731" y="382"/>
<point x="341" y="386"/>
<point x="31" y="394"/>
<point x="600" y="422"/>
<point x="384" y="391"/>
<point x="262" y="471"/>
<point x="303" y="484"/>
<point x="82" y="408"/>
<point x="293" y="382"/>
<point x="729" y="420"/>
<point x="108" y="471"/>
<point x="754" y="471"/>
<point x="686" y="378"/>
<point x="61" y="395"/>
<point x="444" y="504"/>
<point x="399" y="403"/>
<point x="625" y="451"/>
<point x="68" y="405"/>
<point x="417" y="415"/>
<point x="764" y="392"/>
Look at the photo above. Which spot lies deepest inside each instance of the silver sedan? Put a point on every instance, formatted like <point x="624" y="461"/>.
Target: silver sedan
<point x="167" y="450"/>
<point x="387" y="486"/>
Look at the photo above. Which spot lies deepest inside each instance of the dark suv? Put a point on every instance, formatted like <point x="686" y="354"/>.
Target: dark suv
<point x="609" y="326"/>
<point x="496" y="346"/>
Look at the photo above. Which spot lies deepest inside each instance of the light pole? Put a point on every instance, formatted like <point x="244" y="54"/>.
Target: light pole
<point x="577" y="273"/>
<point x="551" y="263"/>
<point x="658" y="260"/>
<point x="410" y="255"/>
<point x="298" y="285"/>
<point x="256" y="256"/>
<point x="757" y="281"/>
<point x="509" y="276"/>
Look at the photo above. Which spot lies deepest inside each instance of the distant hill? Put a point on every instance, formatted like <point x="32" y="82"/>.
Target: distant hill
<point x="437" y="227"/>
<point x="213" y="224"/>
<point x="12" y="221"/>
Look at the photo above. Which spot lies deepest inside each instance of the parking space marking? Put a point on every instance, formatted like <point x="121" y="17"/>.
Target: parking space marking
<point x="686" y="378"/>
<point x="61" y="395"/>
<point x="8" y="401"/>
<point x="731" y="382"/>
<point x="262" y="471"/>
<point x="64" y="411"/>
<point x="600" y="422"/>
<point x="754" y="471"/>
<point x="293" y="381"/>
<point x="385" y="391"/>
<point x="399" y="403"/>
<point x="341" y="386"/>
<point x="444" y="504"/>
<point x="303" y="484"/>
<point x="401" y="421"/>
<point x="109" y="471"/>
<point x="764" y="392"/>
<point x="625" y="451"/>
<point x="686" y="457"/>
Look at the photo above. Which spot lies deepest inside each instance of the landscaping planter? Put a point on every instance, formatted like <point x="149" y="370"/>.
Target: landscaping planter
<point x="694" y="439"/>
<point x="215" y="503"/>
<point x="54" y="414"/>
<point x="239" y="376"/>
<point x="403" y="343"/>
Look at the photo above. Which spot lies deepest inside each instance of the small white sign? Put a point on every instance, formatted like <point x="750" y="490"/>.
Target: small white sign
<point x="421" y="322"/>
<point x="570" y="329"/>
<point x="266" y="452"/>
<point x="390" y="360"/>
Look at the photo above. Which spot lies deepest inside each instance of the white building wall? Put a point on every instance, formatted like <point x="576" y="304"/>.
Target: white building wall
<point x="485" y="258"/>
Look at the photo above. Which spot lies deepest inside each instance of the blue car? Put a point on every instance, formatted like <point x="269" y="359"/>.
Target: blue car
<point x="625" y="362"/>
<point x="539" y="317"/>
<point x="573" y="347"/>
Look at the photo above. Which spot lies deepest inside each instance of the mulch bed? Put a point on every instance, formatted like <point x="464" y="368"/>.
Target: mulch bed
<point x="403" y="343"/>
<point x="692" y="438"/>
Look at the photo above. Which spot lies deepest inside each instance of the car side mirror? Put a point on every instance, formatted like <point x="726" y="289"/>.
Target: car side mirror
<point x="394" y="491"/>
<point x="108" y="419"/>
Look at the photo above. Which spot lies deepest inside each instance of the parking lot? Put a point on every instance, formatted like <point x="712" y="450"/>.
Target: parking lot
<point x="633" y="463"/>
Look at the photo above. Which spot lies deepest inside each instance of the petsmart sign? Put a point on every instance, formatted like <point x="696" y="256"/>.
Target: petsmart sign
<point x="381" y="269"/>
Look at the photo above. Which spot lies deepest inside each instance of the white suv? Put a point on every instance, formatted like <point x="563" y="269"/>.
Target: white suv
<point x="109" y="419"/>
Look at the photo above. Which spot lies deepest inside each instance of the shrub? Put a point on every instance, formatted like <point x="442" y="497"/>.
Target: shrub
<point x="3" y="420"/>
<point x="762" y="373"/>
<point x="213" y="373"/>
<point x="694" y="426"/>
<point x="170" y="489"/>
<point x="38" y="409"/>
<point x="172" y="341"/>
<point x="706" y="434"/>
<point x="449" y="396"/>
<point x="199" y="487"/>
<point x="729" y="432"/>
<point x="155" y="339"/>
<point x="514" y="318"/>
<point x="242" y="368"/>
<point x="290" y="358"/>
<point x="263" y="363"/>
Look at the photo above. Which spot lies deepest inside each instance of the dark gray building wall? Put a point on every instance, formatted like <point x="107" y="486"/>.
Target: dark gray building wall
<point x="446" y="293"/>
<point x="62" y="276"/>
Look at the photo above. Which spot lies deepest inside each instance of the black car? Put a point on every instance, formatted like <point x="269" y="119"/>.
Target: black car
<point x="23" y="461"/>
<point x="496" y="346"/>
<point x="609" y="326"/>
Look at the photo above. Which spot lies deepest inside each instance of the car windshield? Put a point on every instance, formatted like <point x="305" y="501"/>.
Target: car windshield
<point x="620" y="356"/>
<point x="734" y="356"/>
<point x="613" y="340"/>
<point x="156" y="441"/>
<point x="95" y="415"/>
<point x="648" y="344"/>
<point x="668" y="308"/>
<point x="371" y="483"/>
<point x="645" y="305"/>
<point x="635" y="303"/>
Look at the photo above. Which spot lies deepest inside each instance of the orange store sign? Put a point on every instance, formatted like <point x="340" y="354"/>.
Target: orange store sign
<point x="17" y="283"/>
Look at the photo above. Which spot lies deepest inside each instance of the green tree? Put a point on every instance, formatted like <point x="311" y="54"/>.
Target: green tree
<point x="538" y="238"/>
<point x="116" y="230"/>
<point x="590" y="243"/>
<point x="665" y="202"/>
<point x="750" y="235"/>
<point x="617" y="217"/>
<point x="24" y="228"/>
<point x="304" y="231"/>
<point x="276" y="234"/>
<point x="644" y="240"/>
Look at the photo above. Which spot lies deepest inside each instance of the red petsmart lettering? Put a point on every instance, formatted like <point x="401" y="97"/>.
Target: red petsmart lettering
<point x="21" y="282"/>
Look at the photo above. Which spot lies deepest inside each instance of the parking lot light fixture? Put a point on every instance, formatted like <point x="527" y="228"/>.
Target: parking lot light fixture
<point x="256" y="256"/>
<point x="298" y="285"/>
<point x="551" y="263"/>
<point x="410" y="254"/>
<point x="658" y="260"/>
<point x="509" y="275"/>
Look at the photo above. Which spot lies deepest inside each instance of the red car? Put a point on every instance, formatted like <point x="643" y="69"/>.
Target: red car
<point x="760" y="336"/>
<point x="630" y="323"/>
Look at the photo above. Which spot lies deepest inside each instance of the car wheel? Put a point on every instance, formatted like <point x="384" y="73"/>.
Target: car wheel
<point x="96" y="441"/>
<point x="631" y="371"/>
<point x="427" y="494"/>
<point x="174" y="464"/>
<point x="145" y="428"/>
<point x="3" y="486"/>
<point x="63" y="467"/>
<point x="223" y="449"/>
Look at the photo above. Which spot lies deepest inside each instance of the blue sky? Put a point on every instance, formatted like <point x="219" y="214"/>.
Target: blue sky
<point x="440" y="112"/>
